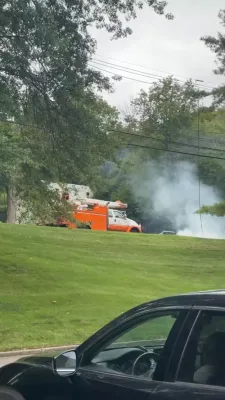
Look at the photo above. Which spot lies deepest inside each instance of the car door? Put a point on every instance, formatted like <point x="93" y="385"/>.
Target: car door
<point x="116" y="221"/>
<point x="131" y="360"/>
<point x="200" y="372"/>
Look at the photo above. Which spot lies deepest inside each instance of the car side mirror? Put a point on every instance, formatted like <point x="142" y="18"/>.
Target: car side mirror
<point x="65" y="364"/>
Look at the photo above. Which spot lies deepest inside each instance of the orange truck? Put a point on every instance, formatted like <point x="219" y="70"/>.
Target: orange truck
<point x="102" y="216"/>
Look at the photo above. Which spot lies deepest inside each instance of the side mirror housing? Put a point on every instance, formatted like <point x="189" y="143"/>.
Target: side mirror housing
<point x="65" y="364"/>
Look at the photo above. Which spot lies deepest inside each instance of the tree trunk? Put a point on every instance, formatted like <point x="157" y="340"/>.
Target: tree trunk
<point x="11" y="205"/>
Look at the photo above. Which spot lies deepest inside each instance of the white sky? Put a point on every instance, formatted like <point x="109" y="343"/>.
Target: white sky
<point x="160" y="45"/>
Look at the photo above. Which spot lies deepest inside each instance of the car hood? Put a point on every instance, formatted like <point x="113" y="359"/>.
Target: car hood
<point x="30" y="370"/>
<point x="42" y="358"/>
<point x="38" y="359"/>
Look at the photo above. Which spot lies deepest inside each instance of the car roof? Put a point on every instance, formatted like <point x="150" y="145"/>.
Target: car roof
<point x="209" y="298"/>
<point x="168" y="232"/>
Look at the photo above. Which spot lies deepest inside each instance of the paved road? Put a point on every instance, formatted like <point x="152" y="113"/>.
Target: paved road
<point x="8" y="360"/>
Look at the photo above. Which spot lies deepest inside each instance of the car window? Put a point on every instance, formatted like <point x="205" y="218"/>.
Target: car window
<point x="137" y="350"/>
<point x="151" y="330"/>
<point x="110" y="213"/>
<point x="118" y="214"/>
<point x="203" y="361"/>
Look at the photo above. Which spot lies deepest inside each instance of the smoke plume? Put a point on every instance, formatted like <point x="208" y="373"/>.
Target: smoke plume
<point x="171" y="191"/>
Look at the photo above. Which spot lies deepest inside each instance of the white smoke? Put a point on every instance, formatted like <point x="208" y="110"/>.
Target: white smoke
<point x="171" y="190"/>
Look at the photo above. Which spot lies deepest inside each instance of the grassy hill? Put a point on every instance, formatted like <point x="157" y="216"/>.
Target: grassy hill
<point x="58" y="286"/>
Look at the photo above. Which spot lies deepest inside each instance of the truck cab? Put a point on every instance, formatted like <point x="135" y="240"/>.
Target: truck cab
<point x="118" y="221"/>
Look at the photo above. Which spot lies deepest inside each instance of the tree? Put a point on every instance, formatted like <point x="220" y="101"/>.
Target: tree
<point x="212" y="144"/>
<point x="45" y="47"/>
<point x="27" y="164"/>
<point x="21" y="178"/>
<point x="153" y="112"/>
<point x="41" y="204"/>
<point x="12" y="155"/>
<point x="164" y="114"/>
<point x="212" y="123"/>
<point x="212" y="171"/>
<point x="217" y="209"/>
<point x="47" y="85"/>
<point x="114" y="181"/>
<point x="46" y="82"/>
<point x="217" y="46"/>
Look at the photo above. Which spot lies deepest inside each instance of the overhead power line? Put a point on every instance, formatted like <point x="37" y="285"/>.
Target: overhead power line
<point x="220" y="142"/>
<point x="175" y="151"/>
<point x="123" y="76"/>
<point x="144" y="137"/>
<point x="169" y="141"/>
<point x="213" y="141"/>
<point x="140" y="73"/>
<point x="150" y="69"/>
<point x="126" y="69"/>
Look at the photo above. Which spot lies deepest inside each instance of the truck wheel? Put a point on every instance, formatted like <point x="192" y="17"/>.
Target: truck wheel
<point x="134" y="230"/>
<point x="9" y="394"/>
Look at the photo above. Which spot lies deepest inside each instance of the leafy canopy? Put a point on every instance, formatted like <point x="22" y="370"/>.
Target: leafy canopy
<point x="217" y="46"/>
<point x="217" y="209"/>
<point x="45" y="47"/>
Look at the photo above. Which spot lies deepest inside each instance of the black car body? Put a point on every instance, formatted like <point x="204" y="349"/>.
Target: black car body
<point x="156" y="351"/>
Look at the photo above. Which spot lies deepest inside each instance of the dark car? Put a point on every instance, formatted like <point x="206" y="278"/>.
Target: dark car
<point x="168" y="349"/>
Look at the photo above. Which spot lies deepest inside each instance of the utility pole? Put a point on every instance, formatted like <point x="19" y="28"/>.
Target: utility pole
<point x="198" y="113"/>
<point x="198" y="129"/>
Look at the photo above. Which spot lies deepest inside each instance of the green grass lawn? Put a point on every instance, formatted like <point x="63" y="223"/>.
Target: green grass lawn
<point x="58" y="286"/>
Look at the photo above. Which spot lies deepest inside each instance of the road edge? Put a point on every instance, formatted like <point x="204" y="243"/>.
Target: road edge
<point x="35" y="351"/>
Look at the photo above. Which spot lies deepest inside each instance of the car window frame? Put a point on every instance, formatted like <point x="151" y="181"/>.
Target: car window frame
<point x="117" y="214"/>
<point x="199" y="310"/>
<point x="132" y="321"/>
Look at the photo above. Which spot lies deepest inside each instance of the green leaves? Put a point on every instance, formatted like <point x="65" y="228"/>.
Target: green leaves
<point x="64" y="130"/>
<point x="42" y="205"/>
<point x="12" y="154"/>
<point x="45" y="47"/>
<point x="217" y="209"/>
<point x="165" y="112"/>
<point x="217" y="46"/>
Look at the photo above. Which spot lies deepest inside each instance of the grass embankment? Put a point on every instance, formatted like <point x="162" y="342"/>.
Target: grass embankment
<point x="58" y="286"/>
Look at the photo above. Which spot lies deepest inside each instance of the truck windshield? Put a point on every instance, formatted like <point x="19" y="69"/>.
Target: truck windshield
<point x="119" y="214"/>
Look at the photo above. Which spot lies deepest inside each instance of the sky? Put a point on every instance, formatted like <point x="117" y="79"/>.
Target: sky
<point x="162" y="47"/>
